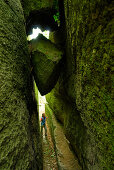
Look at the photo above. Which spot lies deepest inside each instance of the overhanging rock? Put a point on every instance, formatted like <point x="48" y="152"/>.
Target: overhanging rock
<point x="46" y="61"/>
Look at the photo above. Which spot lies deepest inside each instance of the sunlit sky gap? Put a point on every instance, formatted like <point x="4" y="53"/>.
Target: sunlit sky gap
<point x="35" y="33"/>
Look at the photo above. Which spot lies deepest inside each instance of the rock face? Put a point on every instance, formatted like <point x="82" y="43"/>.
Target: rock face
<point x="39" y="13"/>
<point x="65" y="157"/>
<point x="19" y="135"/>
<point x="46" y="62"/>
<point x="82" y="98"/>
<point x="32" y="5"/>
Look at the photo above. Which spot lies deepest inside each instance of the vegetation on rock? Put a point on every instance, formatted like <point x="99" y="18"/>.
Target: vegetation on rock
<point x="83" y="96"/>
<point x="85" y="86"/>
<point x="19" y="136"/>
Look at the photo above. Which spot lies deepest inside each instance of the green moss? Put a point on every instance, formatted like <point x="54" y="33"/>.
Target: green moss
<point x="45" y="46"/>
<point x="32" y="5"/>
<point x="36" y="92"/>
<point x="17" y="149"/>
<point x="56" y="103"/>
<point x="96" y="71"/>
<point x="49" y="113"/>
<point x="85" y="88"/>
<point x="46" y="61"/>
<point x="93" y="39"/>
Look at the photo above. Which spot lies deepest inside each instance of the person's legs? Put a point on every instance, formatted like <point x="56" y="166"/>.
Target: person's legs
<point x="45" y="130"/>
<point x="41" y="130"/>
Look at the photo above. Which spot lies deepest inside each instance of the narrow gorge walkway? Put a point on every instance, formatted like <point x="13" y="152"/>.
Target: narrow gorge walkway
<point x="66" y="160"/>
<point x="49" y="156"/>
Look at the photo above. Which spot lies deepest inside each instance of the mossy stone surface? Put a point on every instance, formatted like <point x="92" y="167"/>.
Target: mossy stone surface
<point x="17" y="146"/>
<point x="48" y="48"/>
<point x="46" y="61"/>
<point x="31" y="5"/>
<point x="91" y="47"/>
<point x="86" y="82"/>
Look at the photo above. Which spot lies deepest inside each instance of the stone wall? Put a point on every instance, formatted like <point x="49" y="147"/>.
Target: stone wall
<point x="19" y="135"/>
<point x="31" y="5"/>
<point x="82" y="98"/>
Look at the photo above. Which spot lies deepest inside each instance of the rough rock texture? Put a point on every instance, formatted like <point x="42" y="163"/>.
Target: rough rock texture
<point x="18" y="116"/>
<point x="40" y="13"/>
<point x="46" y="62"/>
<point x="82" y="98"/>
<point x="43" y="19"/>
<point x="30" y="5"/>
<point x="65" y="156"/>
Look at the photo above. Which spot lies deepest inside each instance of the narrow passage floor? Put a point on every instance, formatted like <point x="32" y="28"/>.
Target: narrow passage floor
<point x="49" y="156"/>
<point x="66" y="160"/>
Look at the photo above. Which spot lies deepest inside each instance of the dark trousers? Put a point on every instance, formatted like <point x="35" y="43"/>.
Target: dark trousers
<point x="44" y="126"/>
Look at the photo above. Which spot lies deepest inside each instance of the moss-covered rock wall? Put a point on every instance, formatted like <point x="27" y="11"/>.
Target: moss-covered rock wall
<point x="19" y="135"/>
<point x="46" y="62"/>
<point x="31" y="5"/>
<point x="82" y="98"/>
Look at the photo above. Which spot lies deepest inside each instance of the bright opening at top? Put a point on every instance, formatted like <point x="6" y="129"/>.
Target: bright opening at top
<point x="36" y="32"/>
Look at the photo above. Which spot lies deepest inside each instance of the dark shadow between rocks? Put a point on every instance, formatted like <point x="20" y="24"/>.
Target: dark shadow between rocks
<point x="43" y="19"/>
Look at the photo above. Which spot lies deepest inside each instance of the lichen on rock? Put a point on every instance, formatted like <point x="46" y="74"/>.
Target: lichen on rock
<point x="17" y="142"/>
<point x="31" y="5"/>
<point x="85" y="85"/>
<point x="46" y="61"/>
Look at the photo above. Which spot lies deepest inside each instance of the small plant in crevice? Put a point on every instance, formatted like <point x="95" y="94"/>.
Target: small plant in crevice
<point x="56" y="16"/>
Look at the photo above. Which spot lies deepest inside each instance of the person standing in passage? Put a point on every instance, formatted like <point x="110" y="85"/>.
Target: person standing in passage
<point x="43" y="124"/>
